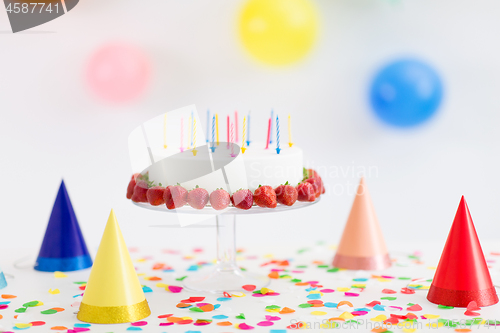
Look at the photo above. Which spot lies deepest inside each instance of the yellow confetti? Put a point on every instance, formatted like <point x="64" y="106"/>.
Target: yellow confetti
<point x="265" y="291"/>
<point x="318" y="313"/>
<point x="141" y="274"/>
<point x="346" y="315"/>
<point x="140" y="260"/>
<point x="23" y="325"/>
<point x="59" y="275"/>
<point x="431" y="316"/>
<point x="39" y="303"/>
<point x="273" y="310"/>
<point x="432" y="267"/>
<point x="342" y="289"/>
<point x="435" y="325"/>
<point x="362" y="286"/>
<point x="379" y="318"/>
<point x="383" y="280"/>
<point x="424" y="288"/>
<point x="409" y="330"/>
<point x="238" y="294"/>
<point x="162" y="285"/>
<point x="54" y="291"/>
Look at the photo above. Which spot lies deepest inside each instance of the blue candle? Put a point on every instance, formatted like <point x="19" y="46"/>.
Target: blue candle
<point x="213" y="134"/>
<point x="277" y="135"/>
<point x="248" y="129"/>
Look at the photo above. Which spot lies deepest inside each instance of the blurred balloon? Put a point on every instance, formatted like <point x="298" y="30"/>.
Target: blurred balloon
<point x="406" y="92"/>
<point x="118" y="73"/>
<point x="278" y="32"/>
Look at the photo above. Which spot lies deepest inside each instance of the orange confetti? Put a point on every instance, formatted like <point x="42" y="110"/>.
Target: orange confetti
<point x="345" y="302"/>
<point x="274" y="275"/>
<point x="224" y="323"/>
<point x="154" y="278"/>
<point x="336" y="318"/>
<point x="174" y="319"/>
<point x="379" y="330"/>
<point x="207" y="308"/>
<point x="462" y="330"/>
<point x="302" y="284"/>
<point x="59" y="328"/>
<point x="1" y="316"/>
<point x="58" y="309"/>
<point x="183" y="305"/>
<point x="158" y="266"/>
<point x="286" y="310"/>
<point x="5" y="296"/>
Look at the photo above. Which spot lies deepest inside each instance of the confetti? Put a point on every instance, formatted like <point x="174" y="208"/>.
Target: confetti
<point x="60" y="275"/>
<point x="249" y="287"/>
<point x="54" y="291"/>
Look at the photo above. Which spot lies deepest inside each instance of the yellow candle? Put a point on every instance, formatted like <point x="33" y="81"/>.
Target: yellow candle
<point x="290" y="143"/>
<point x="165" y="131"/>
<point x="217" y="127"/>
<point x="244" y="135"/>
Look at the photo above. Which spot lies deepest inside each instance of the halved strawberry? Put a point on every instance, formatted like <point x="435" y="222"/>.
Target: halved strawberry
<point x="175" y="196"/>
<point x="242" y="199"/>
<point x="140" y="190"/>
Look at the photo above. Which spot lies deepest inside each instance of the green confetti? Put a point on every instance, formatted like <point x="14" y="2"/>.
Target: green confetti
<point x="31" y="304"/>
<point x="333" y="270"/>
<point x="404" y="278"/>
<point x="80" y="282"/>
<point x="296" y="280"/>
<point x="389" y="298"/>
<point x="322" y="266"/>
<point x="181" y="278"/>
<point x="301" y="266"/>
<point x="303" y="250"/>
<point x="272" y="307"/>
<point x="445" y="307"/>
<point x="305" y="305"/>
<point x="410" y="304"/>
<point x="20" y="310"/>
<point x="195" y="309"/>
<point x="285" y="276"/>
<point x="49" y="311"/>
<point x="240" y="316"/>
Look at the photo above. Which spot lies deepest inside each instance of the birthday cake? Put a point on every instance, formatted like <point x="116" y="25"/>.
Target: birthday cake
<point x="220" y="174"/>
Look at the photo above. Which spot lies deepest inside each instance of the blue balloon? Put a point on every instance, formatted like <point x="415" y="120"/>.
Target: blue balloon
<point x="406" y="93"/>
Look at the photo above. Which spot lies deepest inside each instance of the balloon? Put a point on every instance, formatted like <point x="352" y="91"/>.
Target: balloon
<point x="405" y="93"/>
<point x="278" y="32"/>
<point x="118" y="73"/>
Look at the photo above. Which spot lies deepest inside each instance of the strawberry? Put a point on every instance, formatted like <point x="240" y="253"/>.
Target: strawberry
<point x="198" y="198"/>
<point x="140" y="190"/>
<point x="264" y="196"/>
<point x="175" y="196"/>
<point x="317" y="184"/>
<point x="242" y="199"/>
<point x="311" y="173"/>
<point x="219" y="199"/>
<point x="286" y="194"/>
<point x="131" y="185"/>
<point x="306" y="192"/>
<point x="155" y="195"/>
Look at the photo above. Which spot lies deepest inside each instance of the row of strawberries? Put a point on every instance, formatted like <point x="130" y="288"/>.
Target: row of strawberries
<point x="176" y="196"/>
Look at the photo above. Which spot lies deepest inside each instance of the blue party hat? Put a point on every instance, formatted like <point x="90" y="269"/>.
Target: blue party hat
<point x="3" y="282"/>
<point x="63" y="248"/>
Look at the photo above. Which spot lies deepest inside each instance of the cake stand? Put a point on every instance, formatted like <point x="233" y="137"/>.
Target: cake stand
<point x="226" y="276"/>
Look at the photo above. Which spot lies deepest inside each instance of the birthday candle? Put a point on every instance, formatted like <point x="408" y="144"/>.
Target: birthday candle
<point x="213" y="134"/>
<point x="236" y="125"/>
<point x="192" y="126"/>
<point x="268" y="133"/>
<point x="165" y="131"/>
<point x="290" y="142"/>
<point x="228" y="129"/>
<point x="208" y="122"/>
<point x="271" y="134"/>
<point x="190" y="129"/>
<point x="244" y="134"/>
<point x="217" y="127"/>
<point x="232" y="138"/>
<point x="248" y="129"/>
<point x="277" y="135"/>
<point x="182" y="134"/>
<point x="194" y="133"/>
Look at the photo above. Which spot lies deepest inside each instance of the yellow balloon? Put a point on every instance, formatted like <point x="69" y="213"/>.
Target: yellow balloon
<point x="278" y="32"/>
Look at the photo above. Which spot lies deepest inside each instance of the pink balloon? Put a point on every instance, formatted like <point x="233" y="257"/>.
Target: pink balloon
<point x="118" y="73"/>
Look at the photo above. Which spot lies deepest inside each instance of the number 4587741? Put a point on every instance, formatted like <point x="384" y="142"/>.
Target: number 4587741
<point x="31" y="7"/>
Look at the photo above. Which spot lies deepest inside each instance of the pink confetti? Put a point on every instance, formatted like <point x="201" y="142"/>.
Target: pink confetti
<point x="175" y="289"/>
<point x="326" y="291"/>
<point x="272" y="318"/>
<point x="244" y="326"/>
<point x="265" y="323"/>
<point x="397" y="308"/>
<point x="139" y="323"/>
<point x="78" y="329"/>
<point x="3" y="306"/>
<point x="166" y="324"/>
<point x="359" y="313"/>
<point x="351" y="295"/>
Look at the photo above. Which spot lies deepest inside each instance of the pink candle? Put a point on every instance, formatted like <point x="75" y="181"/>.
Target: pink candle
<point x="232" y="138"/>
<point x="268" y="133"/>
<point x="228" y="129"/>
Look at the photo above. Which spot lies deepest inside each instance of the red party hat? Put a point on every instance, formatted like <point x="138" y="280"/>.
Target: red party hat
<point x="462" y="275"/>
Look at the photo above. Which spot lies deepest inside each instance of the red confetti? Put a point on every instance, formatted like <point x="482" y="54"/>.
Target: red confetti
<point x="389" y="291"/>
<point x="249" y="287"/>
<point x="373" y="303"/>
<point x="414" y="307"/>
<point x="139" y="323"/>
<point x="37" y="323"/>
<point x="407" y="291"/>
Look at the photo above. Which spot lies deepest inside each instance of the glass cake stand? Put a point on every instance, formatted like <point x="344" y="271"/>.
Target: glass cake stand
<point x="226" y="276"/>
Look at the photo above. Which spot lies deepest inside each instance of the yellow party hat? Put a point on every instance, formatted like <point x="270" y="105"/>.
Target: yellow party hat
<point x="113" y="294"/>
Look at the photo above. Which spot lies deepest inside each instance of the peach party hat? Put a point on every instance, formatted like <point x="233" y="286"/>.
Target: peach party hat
<point x="362" y="246"/>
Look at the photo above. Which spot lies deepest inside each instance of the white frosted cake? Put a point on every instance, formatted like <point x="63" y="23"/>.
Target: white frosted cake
<point x="227" y="167"/>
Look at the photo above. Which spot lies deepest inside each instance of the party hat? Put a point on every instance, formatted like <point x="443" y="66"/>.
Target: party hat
<point x="462" y="275"/>
<point x="63" y="247"/>
<point x="113" y="293"/>
<point x="3" y="282"/>
<point x="362" y="245"/>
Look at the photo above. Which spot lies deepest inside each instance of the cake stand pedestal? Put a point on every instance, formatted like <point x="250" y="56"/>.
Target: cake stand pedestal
<point x="226" y="276"/>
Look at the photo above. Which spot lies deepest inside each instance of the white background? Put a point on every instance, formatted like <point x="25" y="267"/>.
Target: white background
<point x="53" y="127"/>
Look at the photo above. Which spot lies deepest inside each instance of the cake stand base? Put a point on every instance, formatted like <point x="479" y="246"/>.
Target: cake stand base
<point x="227" y="276"/>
